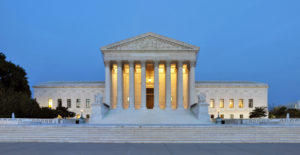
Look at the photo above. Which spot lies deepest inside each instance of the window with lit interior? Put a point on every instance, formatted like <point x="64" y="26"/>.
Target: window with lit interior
<point x="50" y="103"/>
<point x="241" y="103"/>
<point x="212" y="103"/>
<point x="221" y="103"/>
<point x="231" y="103"/>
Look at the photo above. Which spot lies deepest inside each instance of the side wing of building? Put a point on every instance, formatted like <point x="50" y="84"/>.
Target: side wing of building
<point x="233" y="99"/>
<point x="76" y="96"/>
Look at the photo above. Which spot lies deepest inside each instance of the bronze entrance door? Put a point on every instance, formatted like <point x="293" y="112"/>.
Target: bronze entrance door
<point x="150" y="98"/>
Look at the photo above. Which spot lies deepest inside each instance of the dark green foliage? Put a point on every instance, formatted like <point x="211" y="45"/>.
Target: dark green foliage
<point x="13" y="76"/>
<point x="281" y="111"/>
<point x="258" y="112"/>
<point x="15" y="95"/>
<point x="63" y="112"/>
<point x="278" y="112"/>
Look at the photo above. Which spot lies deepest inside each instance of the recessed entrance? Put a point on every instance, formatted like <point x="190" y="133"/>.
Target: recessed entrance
<point x="150" y="98"/>
<point x="149" y="86"/>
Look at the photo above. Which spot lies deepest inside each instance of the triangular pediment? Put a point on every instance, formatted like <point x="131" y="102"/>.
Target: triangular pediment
<point x="150" y="41"/>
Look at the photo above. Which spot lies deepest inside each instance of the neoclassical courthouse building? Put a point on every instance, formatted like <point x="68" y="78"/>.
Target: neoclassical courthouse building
<point x="154" y="73"/>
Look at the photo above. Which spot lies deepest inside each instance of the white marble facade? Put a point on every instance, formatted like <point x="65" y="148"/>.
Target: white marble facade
<point x="153" y="72"/>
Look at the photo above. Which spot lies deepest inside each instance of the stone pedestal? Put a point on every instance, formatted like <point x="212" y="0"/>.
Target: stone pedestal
<point x="202" y="106"/>
<point x="203" y="115"/>
<point x="98" y="110"/>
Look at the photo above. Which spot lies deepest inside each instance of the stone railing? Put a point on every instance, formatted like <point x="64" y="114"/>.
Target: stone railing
<point x="4" y="121"/>
<point x="263" y="121"/>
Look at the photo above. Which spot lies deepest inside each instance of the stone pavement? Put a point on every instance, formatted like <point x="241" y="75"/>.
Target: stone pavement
<point x="147" y="149"/>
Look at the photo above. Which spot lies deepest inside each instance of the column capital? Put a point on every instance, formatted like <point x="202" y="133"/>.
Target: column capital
<point x="168" y="62"/>
<point x="107" y="63"/>
<point x="131" y="63"/>
<point x="192" y="63"/>
<point x="179" y="63"/>
<point x="119" y="62"/>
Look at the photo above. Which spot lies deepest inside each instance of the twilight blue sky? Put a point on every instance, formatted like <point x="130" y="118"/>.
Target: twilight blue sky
<point x="249" y="40"/>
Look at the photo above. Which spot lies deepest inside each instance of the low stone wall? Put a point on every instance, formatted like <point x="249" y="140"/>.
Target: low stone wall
<point x="4" y="121"/>
<point x="282" y="121"/>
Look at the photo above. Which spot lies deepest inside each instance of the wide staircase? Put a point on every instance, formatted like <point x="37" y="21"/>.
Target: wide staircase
<point x="150" y="134"/>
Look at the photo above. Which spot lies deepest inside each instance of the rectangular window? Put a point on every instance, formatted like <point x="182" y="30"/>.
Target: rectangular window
<point x="212" y="116"/>
<point x="231" y="116"/>
<point x="212" y="103"/>
<point x="59" y="102"/>
<point x="250" y="103"/>
<point x="221" y="103"/>
<point x="78" y="103"/>
<point x="241" y="103"/>
<point x="241" y="116"/>
<point x="69" y="103"/>
<point x="222" y="115"/>
<point x="231" y="103"/>
<point x="87" y="103"/>
<point x="50" y="103"/>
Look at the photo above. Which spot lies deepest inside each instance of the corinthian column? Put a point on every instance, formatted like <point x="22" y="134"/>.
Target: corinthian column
<point x="156" y="85"/>
<point x="143" y="85"/>
<point x="179" y="86"/>
<point x="192" y="84"/>
<point x="120" y="85"/>
<point x="107" y="83"/>
<point x="168" y="85"/>
<point x="131" y="85"/>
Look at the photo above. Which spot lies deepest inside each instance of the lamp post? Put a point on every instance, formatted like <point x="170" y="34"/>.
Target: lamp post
<point x="81" y="119"/>
<point x="218" y="120"/>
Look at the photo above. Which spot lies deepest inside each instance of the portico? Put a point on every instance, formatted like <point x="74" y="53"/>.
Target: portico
<point x="149" y="72"/>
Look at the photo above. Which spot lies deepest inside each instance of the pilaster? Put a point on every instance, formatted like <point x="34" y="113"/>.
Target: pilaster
<point x="120" y="85"/>
<point x="192" y="83"/>
<point x="156" y="85"/>
<point x="108" y="83"/>
<point x="143" y="85"/>
<point x="131" y="85"/>
<point x="179" y="85"/>
<point x="168" y="85"/>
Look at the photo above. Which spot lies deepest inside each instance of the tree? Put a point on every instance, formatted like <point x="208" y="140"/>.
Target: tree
<point x="258" y="112"/>
<point x="278" y="112"/>
<point x="13" y="76"/>
<point x="281" y="112"/>
<point x="15" y="95"/>
<point x="63" y="112"/>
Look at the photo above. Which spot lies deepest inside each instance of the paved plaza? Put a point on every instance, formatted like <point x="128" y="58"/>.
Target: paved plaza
<point x="145" y="149"/>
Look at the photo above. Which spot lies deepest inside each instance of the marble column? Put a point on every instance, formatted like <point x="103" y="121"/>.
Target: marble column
<point x="143" y="85"/>
<point x="131" y="85"/>
<point x="168" y="85"/>
<point x="156" y="85"/>
<point x="179" y="85"/>
<point x="107" y="83"/>
<point x="192" y="83"/>
<point x="120" y="85"/>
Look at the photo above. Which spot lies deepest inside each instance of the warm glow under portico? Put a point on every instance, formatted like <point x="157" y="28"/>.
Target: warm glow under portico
<point x="154" y="85"/>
